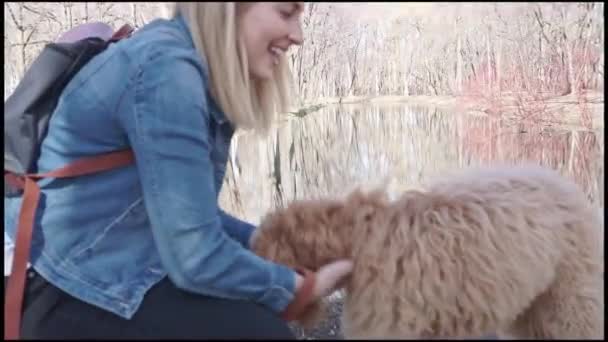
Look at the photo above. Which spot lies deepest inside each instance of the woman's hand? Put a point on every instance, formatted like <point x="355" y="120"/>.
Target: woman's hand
<point x="311" y="287"/>
<point x="327" y="277"/>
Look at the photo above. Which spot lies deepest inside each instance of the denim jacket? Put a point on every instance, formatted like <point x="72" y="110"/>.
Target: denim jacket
<point x="108" y="238"/>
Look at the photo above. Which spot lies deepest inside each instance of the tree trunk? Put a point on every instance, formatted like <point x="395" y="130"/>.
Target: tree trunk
<point x="134" y="14"/>
<point x="23" y="43"/>
<point x="524" y="74"/>
<point x="489" y="60"/>
<point x="458" y="66"/>
<point x="573" y="139"/>
<point x="497" y="54"/>
<point x="571" y="87"/>
<point x="68" y="8"/>
<point x="541" y="52"/>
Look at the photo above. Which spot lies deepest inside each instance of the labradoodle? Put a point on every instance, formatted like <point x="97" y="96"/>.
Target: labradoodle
<point x="513" y="250"/>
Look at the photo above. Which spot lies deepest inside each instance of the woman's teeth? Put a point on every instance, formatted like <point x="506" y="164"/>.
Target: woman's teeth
<point x="276" y="53"/>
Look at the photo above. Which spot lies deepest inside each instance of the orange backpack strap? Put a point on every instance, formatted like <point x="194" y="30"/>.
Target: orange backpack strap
<point x="31" y="193"/>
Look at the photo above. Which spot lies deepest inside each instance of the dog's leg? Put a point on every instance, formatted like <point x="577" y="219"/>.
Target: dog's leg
<point x="570" y="308"/>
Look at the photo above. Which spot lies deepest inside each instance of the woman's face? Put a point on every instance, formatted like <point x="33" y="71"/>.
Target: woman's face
<point x="268" y="30"/>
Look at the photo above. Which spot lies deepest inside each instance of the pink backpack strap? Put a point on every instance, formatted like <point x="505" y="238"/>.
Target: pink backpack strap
<point x="123" y="32"/>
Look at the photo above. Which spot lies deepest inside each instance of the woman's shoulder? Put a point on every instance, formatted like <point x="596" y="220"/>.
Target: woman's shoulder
<point x="164" y="32"/>
<point x="162" y="38"/>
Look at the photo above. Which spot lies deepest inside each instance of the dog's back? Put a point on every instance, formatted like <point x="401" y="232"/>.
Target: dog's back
<point x="478" y="248"/>
<point x="510" y="178"/>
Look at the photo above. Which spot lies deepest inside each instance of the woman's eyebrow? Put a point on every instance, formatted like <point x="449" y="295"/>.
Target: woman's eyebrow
<point x="297" y="6"/>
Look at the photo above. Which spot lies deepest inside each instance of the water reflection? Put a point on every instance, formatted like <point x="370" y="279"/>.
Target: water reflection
<point x="332" y="151"/>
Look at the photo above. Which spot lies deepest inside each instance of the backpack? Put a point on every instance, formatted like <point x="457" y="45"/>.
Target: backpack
<point x="27" y="112"/>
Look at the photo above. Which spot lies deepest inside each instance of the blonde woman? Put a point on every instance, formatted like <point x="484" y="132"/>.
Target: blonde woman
<point x="144" y="251"/>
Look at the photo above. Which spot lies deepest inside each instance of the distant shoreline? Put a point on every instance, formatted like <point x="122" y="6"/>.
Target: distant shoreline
<point x="555" y="110"/>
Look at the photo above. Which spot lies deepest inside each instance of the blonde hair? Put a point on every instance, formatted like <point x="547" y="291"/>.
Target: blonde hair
<point x="247" y="103"/>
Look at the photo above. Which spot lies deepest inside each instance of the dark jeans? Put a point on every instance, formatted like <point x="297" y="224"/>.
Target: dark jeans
<point x="166" y="313"/>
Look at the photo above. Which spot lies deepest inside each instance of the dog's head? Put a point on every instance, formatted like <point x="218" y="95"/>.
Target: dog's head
<point x="304" y="234"/>
<point x="312" y="233"/>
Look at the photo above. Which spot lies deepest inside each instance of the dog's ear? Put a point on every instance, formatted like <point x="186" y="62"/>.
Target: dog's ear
<point x="333" y="208"/>
<point x="378" y="196"/>
<point x="359" y="200"/>
<point x="355" y="197"/>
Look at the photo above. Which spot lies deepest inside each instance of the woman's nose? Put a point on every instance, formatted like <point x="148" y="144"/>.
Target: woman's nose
<point x="296" y="35"/>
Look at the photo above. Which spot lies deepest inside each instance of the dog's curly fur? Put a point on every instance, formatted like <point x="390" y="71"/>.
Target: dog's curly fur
<point x="509" y="250"/>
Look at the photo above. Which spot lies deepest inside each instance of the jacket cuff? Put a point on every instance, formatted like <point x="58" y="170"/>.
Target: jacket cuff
<point x="282" y="291"/>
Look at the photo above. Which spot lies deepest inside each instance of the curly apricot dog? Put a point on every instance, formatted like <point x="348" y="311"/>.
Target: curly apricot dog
<point x="513" y="250"/>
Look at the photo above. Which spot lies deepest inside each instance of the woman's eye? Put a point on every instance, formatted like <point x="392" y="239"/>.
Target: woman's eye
<point x="285" y="14"/>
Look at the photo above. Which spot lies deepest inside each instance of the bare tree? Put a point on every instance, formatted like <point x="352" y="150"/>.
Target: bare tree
<point x="444" y="49"/>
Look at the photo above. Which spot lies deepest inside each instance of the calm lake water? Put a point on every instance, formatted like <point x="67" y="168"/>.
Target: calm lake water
<point x="334" y="150"/>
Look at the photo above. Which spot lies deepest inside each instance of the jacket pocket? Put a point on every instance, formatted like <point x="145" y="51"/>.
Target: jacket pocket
<point x="134" y="215"/>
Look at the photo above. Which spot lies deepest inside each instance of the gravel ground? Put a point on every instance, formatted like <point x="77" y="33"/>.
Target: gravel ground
<point x="328" y="329"/>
